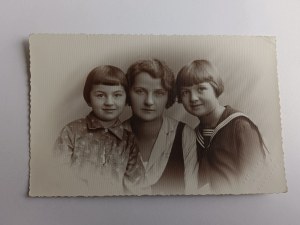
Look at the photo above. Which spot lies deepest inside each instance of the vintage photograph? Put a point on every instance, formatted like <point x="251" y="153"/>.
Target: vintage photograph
<point x="154" y="115"/>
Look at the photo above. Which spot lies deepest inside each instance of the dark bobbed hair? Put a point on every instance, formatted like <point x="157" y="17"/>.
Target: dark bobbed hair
<point x="197" y="72"/>
<point x="106" y="75"/>
<point x="156" y="69"/>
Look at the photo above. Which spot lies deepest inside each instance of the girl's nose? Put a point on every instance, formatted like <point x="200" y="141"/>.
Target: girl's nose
<point x="109" y="100"/>
<point x="194" y="96"/>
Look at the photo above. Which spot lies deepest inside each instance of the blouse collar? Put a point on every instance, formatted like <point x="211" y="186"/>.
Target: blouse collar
<point x="93" y="123"/>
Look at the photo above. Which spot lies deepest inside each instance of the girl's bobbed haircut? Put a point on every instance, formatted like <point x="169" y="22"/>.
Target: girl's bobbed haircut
<point x="106" y="75"/>
<point x="156" y="69"/>
<point x="197" y="72"/>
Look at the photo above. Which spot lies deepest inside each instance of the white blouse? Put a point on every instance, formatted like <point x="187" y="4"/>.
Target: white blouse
<point x="161" y="151"/>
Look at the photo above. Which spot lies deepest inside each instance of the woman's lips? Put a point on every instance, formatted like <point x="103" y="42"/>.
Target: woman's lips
<point x="148" y="110"/>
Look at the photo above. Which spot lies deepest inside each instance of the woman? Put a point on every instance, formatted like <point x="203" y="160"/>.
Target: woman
<point x="230" y="148"/>
<point x="167" y="147"/>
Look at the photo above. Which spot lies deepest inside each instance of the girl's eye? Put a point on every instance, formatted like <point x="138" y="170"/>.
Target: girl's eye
<point x="117" y="95"/>
<point x="184" y="92"/>
<point x="200" y="89"/>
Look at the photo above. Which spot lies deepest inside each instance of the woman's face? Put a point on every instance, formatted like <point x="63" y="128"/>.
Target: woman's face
<point x="199" y="100"/>
<point x="148" y="98"/>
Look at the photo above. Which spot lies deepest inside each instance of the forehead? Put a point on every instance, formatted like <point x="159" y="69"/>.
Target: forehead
<point x="146" y="81"/>
<point x="195" y="86"/>
<point x="106" y="88"/>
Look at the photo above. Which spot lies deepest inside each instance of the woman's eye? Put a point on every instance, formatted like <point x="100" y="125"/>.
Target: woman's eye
<point x="100" y="95"/>
<point x="160" y="93"/>
<point x="139" y="91"/>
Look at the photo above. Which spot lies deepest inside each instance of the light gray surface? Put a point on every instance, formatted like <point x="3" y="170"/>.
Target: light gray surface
<point x="20" y="18"/>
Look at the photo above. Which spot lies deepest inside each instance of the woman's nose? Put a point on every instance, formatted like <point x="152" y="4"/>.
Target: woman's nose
<point x="149" y="99"/>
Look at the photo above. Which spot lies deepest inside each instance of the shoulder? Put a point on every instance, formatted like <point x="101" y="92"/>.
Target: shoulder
<point x="188" y="134"/>
<point x="126" y="126"/>
<point x="242" y="123"/>
<point x="170" y="123"/>
<point x="234" y="119"/>
<point x="128" y="134"/>
<point x="76" y="125"/>
<point x="242" y="128"/>
<point x="188" y="131"/>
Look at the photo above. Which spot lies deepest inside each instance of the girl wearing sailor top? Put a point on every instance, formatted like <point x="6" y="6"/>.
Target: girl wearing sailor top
<point x="231" y="151"/>
<point x="167" y="147"/>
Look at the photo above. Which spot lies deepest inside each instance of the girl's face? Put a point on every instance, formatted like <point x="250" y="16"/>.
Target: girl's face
<point x="199" y="100"/>
<point x="107" y="101"/>
<point x="147" y="97"/>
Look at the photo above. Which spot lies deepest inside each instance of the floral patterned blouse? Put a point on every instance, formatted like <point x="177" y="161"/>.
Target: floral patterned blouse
<point x="111" y="152"/>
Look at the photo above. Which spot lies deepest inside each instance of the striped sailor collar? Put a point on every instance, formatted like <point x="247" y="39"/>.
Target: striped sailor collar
<point x="228" y="115"/>
<point x="228" y="111"/>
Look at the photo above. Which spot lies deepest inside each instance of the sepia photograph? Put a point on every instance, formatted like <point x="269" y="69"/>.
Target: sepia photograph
<point x="118" y="115"/>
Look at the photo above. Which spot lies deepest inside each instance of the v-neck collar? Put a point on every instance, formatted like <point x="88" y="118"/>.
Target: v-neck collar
<point x="160" y="145"/>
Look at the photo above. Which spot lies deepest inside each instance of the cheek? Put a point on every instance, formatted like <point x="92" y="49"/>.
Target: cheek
<point x="212" y="101"/>
<point x="185" y="101"/>
<point x="162" y="101"/>
<point x="121" y="100"/>
<point x="95" y="103"/>
<point x="135" y="99"/>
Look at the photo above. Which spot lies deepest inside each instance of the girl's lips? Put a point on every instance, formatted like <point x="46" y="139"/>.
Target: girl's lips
<point x="194" y="106"/>
<point x="109" y="110"/>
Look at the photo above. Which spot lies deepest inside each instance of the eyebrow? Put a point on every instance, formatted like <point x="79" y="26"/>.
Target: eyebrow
<point x="203" y="84"/>
<point x="98" y="91"/>
<point x="118" y="91"/>
<point x="159" y="89"/>
<point x="185" y="88"/>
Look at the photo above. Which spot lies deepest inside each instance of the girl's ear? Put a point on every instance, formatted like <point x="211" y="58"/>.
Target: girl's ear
<point x="128" y="100"/>
<point x="215" y="88"/>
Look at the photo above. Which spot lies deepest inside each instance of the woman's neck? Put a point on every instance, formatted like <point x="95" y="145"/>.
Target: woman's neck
<point x="211" y="120"/>
<point x="146" y="129"/>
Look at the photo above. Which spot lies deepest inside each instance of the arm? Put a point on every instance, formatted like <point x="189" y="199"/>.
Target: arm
<point x="135" y="172"/>
<point x="64" y="145"/>
<point x="251" y="154"/>
<point x="190" y="160"/>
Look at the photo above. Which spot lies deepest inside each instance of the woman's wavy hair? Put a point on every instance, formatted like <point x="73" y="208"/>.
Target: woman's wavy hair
<point x="156" y="69"/>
